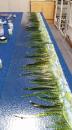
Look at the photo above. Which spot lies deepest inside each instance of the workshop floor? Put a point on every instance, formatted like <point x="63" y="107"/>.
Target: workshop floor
<point x="63" y="46"/>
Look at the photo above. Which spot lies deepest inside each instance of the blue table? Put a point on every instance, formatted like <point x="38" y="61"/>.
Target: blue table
<point x="11" y="84"/>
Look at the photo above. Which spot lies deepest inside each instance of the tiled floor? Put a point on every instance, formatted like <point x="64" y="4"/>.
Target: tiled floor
<point x="63" y="45"/>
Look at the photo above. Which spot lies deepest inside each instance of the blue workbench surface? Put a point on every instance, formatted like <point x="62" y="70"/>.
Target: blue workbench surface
<point x="11" y="84"/>
<point x="6" y="50"/>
